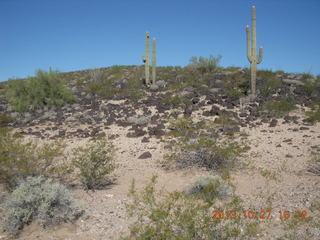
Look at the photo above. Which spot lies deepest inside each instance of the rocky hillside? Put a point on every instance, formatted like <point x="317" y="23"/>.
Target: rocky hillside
<point x="224" y="88"/>
<point x="277" y="133"/>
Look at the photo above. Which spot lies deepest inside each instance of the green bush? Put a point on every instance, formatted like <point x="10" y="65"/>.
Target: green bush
<point x="179" y="215"/>
<point x="171" y="216"/>
<point x="205" y="65"/>
<point x="235" y="93"/>
<point x="270" y="86"/>
<point x="209" y="189"/>
<point x="172" y="100"/>
<point x="19" y="159"/>
<point x="313" y="116"/>
<point x="46" y="89"/>
<point x="94" y="162"/>
<point x="279" y="108"/>
<point x="207" y="152"/>
<point x="5" y="120"/>
<point x="38" y="199"/>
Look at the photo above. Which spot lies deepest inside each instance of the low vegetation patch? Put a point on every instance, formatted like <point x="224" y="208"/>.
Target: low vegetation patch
<point x="313" y="116"/>
<point x="180" y="215"/>
<point x="279" y="108"/>
<point x="94" y="162"/>
<point x="46" y="89"/>
<point x="20" y="159"/>
<point x="201" y="146"/>
<point x="205" y="65"/>
<point x="41" y="200"/>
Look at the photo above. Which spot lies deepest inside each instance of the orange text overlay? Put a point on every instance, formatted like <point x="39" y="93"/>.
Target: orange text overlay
<point x="258" y="214"/>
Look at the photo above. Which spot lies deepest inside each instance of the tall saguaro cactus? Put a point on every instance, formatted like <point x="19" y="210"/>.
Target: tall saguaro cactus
<point x="154" y="48"/>
<point x="146" y="59"/>
<point x="252" y="51"/>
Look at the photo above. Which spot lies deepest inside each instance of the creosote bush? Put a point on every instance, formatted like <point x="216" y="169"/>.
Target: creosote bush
<point x="45" y="89"/>
<point x="20" y="159"/>
<point x="168" y="215"/>
<point x="181" y="215"/>
<point x="36" y="198"/>
<point x="207" y="152"/>
<point x="94" y="162"/>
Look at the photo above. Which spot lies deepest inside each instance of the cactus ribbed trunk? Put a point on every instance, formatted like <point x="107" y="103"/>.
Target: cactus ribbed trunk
<point x="147" y="60"/>
<point x="252" y="52"/>
<point x="154" y="62"/>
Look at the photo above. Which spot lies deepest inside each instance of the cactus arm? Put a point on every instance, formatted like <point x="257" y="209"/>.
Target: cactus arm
<point x="260" y="55"/>
<point x="154" y="47"/>
<point x="254" y="32"/>
<point x="249" y="55"/>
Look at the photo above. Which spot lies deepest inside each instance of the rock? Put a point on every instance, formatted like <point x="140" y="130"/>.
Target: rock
<point x="292" y="81"/>
<point x="145" y="155"/>
<point x="187" y="110"/>
<point x="14" y="115"/>
<point x="156" y="131"/>
<point x="138" y="120"/>
<point x="161" y="84"/>
<point x="136" y="133"/>
<point x="145" y="140"/>
<point x="154" y="87"/>
<point x="273" y="123"/>
<point x="214" y="90"/>
<point x="304" y="128"/>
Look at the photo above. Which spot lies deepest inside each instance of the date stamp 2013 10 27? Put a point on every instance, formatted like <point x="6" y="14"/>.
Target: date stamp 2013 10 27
<point x="257" y="214"/>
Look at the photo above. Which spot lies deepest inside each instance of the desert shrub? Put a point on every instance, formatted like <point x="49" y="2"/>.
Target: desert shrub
<point x="266" y="74"/>
<point x="172" y="100"/>
<point x="179" y="215"/>
<point x="46" y="89"/>
<point x="182" y="126"/>
<point x="94" y="162"/>
<point x="234" y="93"/>
<point x="38" y="199"/>
<point x="313" y="116"/>
<point x="280" y="107"/>
<point x="270" y="86"/>
<point x="207" y="152"/>
<point x="314" y="165"/>
<point x="210" y="188"/>
<point x="200" y="145"/>
<point x="225" y="120"/>
<point x="20" y="159"/>
<point x="311" y="87"/>
<point x="173" y="216"/>
<point x="205" y="65"/>
<point x="5" y="120"/>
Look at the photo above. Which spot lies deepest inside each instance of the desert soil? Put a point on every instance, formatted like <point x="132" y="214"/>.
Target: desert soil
<point x="274" y="172"/>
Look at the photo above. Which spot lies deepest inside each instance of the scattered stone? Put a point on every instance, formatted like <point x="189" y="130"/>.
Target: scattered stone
<point x="145" y="155"/>
<point x="273" y="123"/>
<point x="145" y="140"/>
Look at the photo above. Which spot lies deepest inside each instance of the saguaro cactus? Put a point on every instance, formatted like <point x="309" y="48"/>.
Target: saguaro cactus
<point x="146" y="59"/>
<point x="252" y="51"/>
<point x="154" y="48"/>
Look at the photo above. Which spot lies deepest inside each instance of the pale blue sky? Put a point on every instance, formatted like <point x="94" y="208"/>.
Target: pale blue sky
<point x="70" y="35"/>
